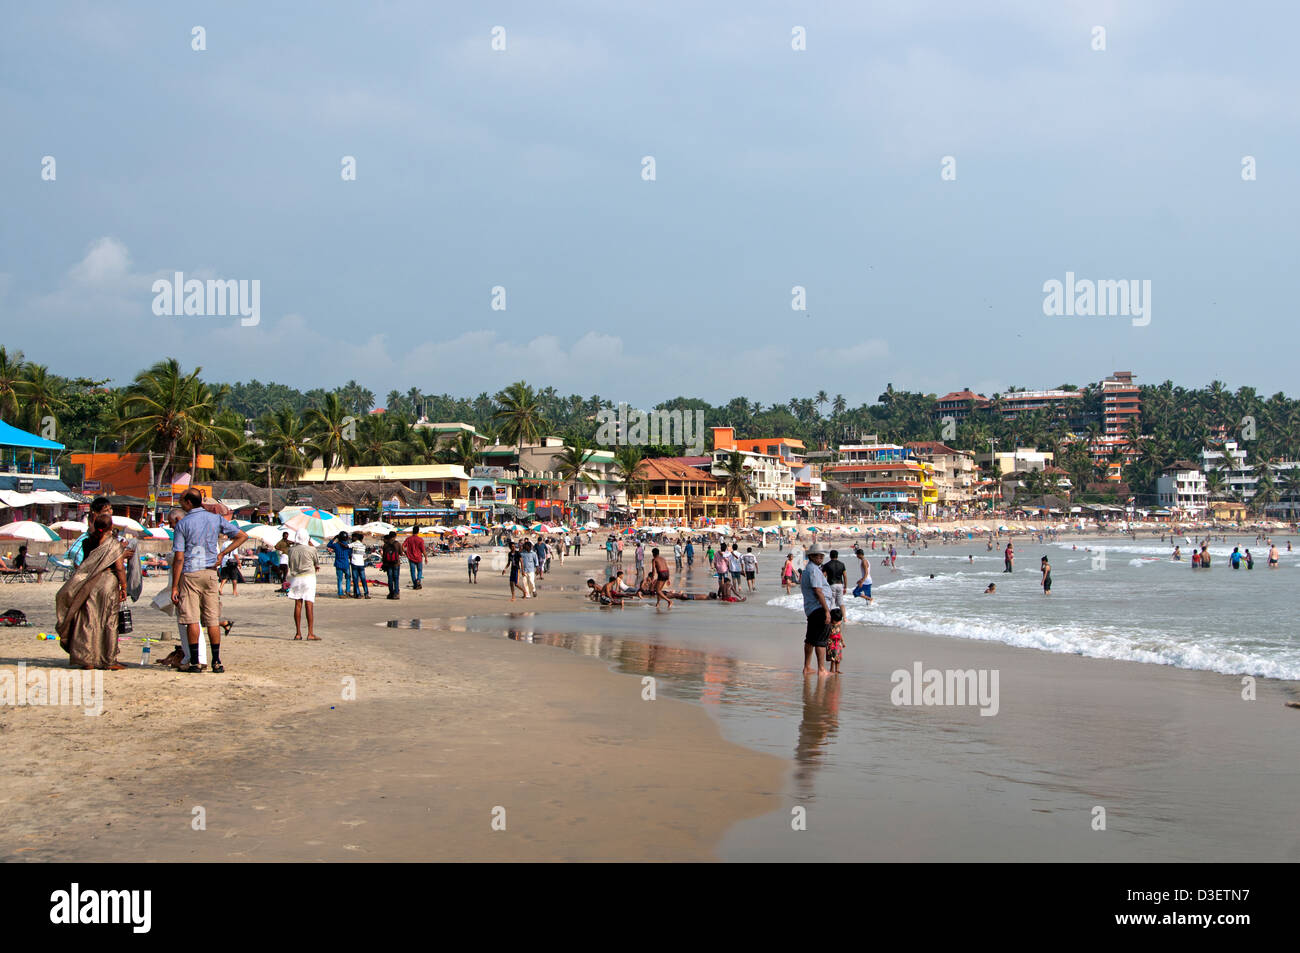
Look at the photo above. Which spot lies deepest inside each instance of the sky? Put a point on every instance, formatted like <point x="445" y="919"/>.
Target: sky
<point x="774" y="168"/>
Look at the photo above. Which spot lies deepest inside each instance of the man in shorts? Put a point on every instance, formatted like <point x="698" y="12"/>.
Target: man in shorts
<point x="196" y="553"/>
<point x="817" y="608"/>
<point x="750" y="562"/>
<point x="835" y="574"/>
<point x="302" y="586"/>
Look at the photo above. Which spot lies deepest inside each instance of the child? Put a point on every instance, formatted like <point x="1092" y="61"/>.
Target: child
<point x="787" y="572"/>
<point x="835" y="647"/>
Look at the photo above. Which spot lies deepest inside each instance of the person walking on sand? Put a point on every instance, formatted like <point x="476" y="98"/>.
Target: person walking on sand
<point x="677" y="554"/>
<point x="413" y="546"/>
<point x="282" y="549"/>
<point x="302" y="586"/>
<point x="817" y="610"/>
<point x="609" y="550"/>
<point x="528" y="570"/>
<point x="750" y="563"/>
<point x="638" y="558"/>
<point x="787" y="572"/>
<point x="342" y="561"/>
<point x="390" y="561"/>
<point x="357" y="550"/>
<point x="196" y="553"/>
<point x="229" y="573"/>
<point x="721" y="566"/>
<point x="513" y="556"/>
<point x="690" y="554"/>
<point x="659" y="566"/>
<point x="619" y="548"/>
<point x="1046" y="580"/>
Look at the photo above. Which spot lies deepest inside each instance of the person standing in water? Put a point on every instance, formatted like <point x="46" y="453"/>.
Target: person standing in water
<point x="1047" y="576"/>
<point x="1008" y="558"/>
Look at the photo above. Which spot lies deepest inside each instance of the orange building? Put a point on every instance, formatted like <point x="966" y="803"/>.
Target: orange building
<point x="127" y="474"/>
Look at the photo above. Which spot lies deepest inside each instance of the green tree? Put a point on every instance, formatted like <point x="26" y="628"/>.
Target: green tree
<point x="518" y="414"/>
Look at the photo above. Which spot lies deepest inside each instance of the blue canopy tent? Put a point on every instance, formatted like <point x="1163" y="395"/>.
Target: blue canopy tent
<point x="13" y="440"/>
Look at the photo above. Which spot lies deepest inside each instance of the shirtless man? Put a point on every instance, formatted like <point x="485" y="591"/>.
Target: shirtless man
<point x="659" y="566"/>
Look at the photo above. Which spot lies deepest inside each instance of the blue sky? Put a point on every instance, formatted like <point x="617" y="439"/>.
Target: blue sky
<point x="522" y="168"/>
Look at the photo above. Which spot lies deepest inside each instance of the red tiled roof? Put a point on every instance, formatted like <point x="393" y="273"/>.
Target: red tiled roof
<point x="667" y="468"/>
<point x="963" y="395"/>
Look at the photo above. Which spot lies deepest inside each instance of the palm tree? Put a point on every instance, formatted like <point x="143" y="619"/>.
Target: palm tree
<point x="380" y="443"/>
<point x="518" y="414"/>
<point x="821" y="400"/>
<point x="1214" y="484"/>
<point x="839" y="405"/>
<point x="425" y="448"/>
<point x="331" y="432"/>
<point x="463" y="452"/>
<point x="572" y="461"/>
<point x="12" y="371"/>
<point x="41" y="394"/>
<point x="735" y="481"/>
<point x="153" y="415"/>
<point x="628" y="463"/>
<point x="284" y="440"/>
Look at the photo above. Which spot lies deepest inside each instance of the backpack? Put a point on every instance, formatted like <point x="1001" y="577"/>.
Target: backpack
<point x="13" y="617"/>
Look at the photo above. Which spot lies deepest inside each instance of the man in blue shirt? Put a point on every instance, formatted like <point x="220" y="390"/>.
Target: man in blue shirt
<point x="817" y="607"/>
<point x="340" y="547"/>
<point x="196" y="553"/>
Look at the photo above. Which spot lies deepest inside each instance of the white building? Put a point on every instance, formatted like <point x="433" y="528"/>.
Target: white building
<point x="1181" y="487"/>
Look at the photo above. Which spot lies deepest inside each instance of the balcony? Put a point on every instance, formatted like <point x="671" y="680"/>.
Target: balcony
<point x="11" y="467"/>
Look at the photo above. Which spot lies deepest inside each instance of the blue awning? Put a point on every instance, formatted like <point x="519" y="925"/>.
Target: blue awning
<point x="11" y="436"/>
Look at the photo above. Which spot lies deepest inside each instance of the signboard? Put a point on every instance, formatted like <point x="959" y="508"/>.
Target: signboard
<point x="489" y="473"/>
<point x="388" y="504"/>
<point x="90" y="486"/>
<point x="501" y="494"/>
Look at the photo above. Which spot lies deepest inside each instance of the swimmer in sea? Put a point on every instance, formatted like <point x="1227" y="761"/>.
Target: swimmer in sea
<point x="993" y="587"/>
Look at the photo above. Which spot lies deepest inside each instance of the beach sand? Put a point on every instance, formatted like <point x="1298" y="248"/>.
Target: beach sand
<point x="444" y="729"/>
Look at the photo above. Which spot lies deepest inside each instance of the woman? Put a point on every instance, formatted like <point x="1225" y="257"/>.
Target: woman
<point x="86" y="605"/>
<point x="391" y="562"/>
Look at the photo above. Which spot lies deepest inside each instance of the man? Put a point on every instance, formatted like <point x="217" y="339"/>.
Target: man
<point x="677" y="554"/>
<point x="473" y="569"/>
<point x="659" y="566"/>
<point x="342" y="561"/>
<point x="863" y="588"/>
<point x="750" y="562"/>
<point x="721" y="566"/>
<point x="357" y="549"/>
<point x="302" y="585"/>
<point x="541" y="551"/>
<point x="413" y="546"/>
<point x="835" y="574"/>
<point x="735" y="567"/>
<point x="690" y="553"/>
<point x="817" y="608"/>
<point x="196" y="553"/>
<point x="283" y="547"/>
<point x="513" y="558"/>
<point x="528" y="570"/>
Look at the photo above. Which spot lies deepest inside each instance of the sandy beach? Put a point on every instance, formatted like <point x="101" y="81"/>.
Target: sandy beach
<point x="453" y="720"/>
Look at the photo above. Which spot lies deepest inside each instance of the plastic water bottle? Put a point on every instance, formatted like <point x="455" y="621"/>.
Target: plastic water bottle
<point x="144" y="654"/>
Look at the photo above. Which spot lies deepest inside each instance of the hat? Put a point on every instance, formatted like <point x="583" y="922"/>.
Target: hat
<point x="815" y="550"/>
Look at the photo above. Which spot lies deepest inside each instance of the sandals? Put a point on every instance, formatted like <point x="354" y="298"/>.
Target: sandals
<point x="226" y="627"/>
<point x="217" y="668"/>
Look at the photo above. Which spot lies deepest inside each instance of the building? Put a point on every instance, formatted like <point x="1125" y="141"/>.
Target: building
<point x="959" y="404"/>
<point x="531" y="481"/>
<point x="131" y="475"/>
<point x="670" y="490"/>
<point x="1061" y="404"/>
<point x="1121" y="403"/>
<point x="885" y="477"/>
<point x="449" y="432"/>
<point x="954" y="474"/>
<point x="770" y="474"/>
<point x="30" y="488"/>
<point x="445" y="485"/>
<point x="1181" y="488"/>
<point x="1019" y="460"/>
<point x="773" y="514"/>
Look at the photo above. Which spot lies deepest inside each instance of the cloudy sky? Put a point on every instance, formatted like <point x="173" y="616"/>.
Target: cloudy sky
<point x="774" y="168"/>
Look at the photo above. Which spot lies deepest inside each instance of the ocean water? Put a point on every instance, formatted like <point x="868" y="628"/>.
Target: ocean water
<point x="1135" y="605"/>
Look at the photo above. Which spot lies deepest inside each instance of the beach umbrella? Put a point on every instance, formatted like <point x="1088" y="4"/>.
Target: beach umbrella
<point x="591" y="524"/>
<point x="265" y="534"/>
<point x="221" y="509"/>
<point x="29" y="529"/>
<point x="375" y="528"/>
<point x="159" y="532"/>
<point x="69" y="527"/>
<point x="318" y="524"/>
<point x="128" y="524"/>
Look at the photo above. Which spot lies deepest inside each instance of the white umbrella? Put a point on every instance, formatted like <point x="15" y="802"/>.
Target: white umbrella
<point x="29" y="529"/>
<point x="265" y="534"/>
<point x="126" y="523"/>
<point x="376" y="528"/>
<point x="69" y="526"/>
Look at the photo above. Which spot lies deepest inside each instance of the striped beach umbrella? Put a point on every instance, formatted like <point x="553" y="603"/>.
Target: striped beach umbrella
<point x="29" y="529"/>
<point x="318" y="524"/>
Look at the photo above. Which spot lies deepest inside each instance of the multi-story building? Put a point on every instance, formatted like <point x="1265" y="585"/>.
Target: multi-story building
<point x="770" y="474"/>
<point x="1062" y="404"/>
<point x="448" y="432"/>
<point x="1120" y="403"/>
<point x="1181" y="487"/>
<point x="885" y="476"/>
<point x="954" y="474"/>
<point x="676" y="491"/>
<point x="959" y="405"/>
<point x="531" y="480"/>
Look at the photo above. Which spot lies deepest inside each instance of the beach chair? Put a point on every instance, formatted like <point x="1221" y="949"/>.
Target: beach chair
<point x="11" y="573"/>
<point x="61" y="568"/>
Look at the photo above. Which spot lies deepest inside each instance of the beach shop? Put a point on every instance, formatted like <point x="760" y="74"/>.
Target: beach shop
<point x="30" y="487"/>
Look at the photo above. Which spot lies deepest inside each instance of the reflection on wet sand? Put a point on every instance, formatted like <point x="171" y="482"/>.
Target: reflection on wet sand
<point x="817" y="728"/>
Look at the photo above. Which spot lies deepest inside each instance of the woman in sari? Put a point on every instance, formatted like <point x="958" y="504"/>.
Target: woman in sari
<point x="86" y="605"/>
